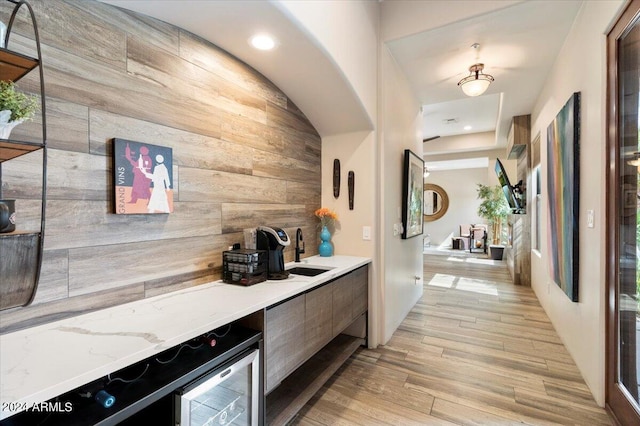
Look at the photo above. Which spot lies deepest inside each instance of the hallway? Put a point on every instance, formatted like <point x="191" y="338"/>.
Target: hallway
<point x="474" y="350"/>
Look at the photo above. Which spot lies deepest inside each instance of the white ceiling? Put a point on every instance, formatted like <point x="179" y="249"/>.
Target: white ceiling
<point x="518" y="45"/>
<point x="430" y="40"/>
<point x="329" y="103"/>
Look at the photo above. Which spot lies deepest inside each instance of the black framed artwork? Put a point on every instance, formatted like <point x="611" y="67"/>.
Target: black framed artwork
<point x="563" y="187"/>
<point x="412" y="195"/>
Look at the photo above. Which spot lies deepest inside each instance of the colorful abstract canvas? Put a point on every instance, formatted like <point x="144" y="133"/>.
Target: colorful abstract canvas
<point x="143" y="178"/>
<point x="412" y="195"/>
<point x="563" y="183"/>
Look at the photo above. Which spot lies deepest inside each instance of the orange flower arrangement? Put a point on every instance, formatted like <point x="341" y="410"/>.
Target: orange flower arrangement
<point x="326" y="216"/>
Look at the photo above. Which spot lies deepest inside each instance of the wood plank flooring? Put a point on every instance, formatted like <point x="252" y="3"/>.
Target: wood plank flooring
<point x="475" y="350"/>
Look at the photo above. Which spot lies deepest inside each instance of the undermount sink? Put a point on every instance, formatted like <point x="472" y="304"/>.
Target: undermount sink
<point x="307" y="271"/>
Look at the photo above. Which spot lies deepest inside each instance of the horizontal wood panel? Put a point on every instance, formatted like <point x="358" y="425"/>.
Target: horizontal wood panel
<point x="230" y="69"/>
<point x="243" y="153"/>
<point x="54" y="277"/>
<point x="121" y="265"/>
<point x="71" y="175"/>
<point x="97" y="225"/>
<point x="67" y="126"/>
<point x="157" y="33"/>
<point x="171" y="73"/>
<point x="189" y="149"/>
<point x="93" y="40"/>
<point x="236" y="217"/>
<point x="304" y="193"/>
<point x="222" y="187"/>
<point x="282" y="167"/>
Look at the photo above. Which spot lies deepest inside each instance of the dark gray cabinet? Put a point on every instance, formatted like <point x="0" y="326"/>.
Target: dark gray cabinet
<point x="284" y="340"/>
<point x="318" y="319"/>
<point x="298" y="328"/>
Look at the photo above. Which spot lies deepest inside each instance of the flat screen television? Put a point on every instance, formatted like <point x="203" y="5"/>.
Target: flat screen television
<point x="507" y="189"/>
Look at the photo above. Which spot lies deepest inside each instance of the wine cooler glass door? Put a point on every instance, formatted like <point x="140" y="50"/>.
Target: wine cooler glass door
<point x="229" y="396"/>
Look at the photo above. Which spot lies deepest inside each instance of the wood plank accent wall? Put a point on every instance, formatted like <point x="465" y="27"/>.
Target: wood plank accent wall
<point x="244" y="155"/>
<point x="519" y="254"/>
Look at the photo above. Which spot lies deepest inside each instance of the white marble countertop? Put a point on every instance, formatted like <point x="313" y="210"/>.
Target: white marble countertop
<point x="42" y="362"/>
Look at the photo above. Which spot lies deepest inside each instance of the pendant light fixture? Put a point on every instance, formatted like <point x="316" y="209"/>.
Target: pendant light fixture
<point x="477" y="82"/>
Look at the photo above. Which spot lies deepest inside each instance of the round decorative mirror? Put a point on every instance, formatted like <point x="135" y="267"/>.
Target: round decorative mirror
<point x="436" y="202"/>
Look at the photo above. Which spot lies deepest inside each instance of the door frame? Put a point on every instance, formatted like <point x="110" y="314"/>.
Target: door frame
<point x="616" y="399"/>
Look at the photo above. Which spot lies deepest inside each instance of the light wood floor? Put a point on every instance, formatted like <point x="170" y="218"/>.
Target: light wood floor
<point x="475" y="350"/>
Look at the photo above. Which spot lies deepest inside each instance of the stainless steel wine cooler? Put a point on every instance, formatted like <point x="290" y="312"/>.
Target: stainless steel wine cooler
<point x="229" y="395"/>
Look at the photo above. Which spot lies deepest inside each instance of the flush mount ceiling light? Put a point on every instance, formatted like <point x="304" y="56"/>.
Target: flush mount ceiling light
<point x="262" y="42"/>
<point x="477" y="82"/>
<point x="426" y="172"/>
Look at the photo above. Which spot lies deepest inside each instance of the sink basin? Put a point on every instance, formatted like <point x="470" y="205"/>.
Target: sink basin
<point x="307" y="271"/>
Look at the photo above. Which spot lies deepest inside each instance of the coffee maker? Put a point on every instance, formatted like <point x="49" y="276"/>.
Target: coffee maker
<point x="273" y="240"/>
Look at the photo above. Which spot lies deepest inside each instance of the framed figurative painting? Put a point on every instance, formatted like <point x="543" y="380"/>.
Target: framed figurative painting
<point x="143" y="178"/>
<point x="412" y="195"/>
<point x="563" y="184"/>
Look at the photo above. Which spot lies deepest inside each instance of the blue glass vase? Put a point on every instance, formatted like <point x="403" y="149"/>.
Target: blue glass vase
<point x="325" y="249"/>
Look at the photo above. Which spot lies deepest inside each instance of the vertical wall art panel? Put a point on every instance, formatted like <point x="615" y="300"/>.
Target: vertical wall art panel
<point x="563" y="183"/>
<point x="143" y="178"/>
<point x="412" y="194"/>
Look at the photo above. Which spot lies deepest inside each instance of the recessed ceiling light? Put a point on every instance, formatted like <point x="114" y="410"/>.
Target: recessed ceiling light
<point x="262" y="42"/>
<point x="467" y="127"/>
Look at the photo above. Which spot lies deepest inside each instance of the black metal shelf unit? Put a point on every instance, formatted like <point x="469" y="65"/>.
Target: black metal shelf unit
<point x="21" y="251"/>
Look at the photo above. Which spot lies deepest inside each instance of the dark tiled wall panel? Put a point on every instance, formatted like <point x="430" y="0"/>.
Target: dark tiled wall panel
<point x="244" y="155"/>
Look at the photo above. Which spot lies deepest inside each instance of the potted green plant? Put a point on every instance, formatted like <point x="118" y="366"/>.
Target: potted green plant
<point x="495" y="209"/>
<point x="15" y="107"/>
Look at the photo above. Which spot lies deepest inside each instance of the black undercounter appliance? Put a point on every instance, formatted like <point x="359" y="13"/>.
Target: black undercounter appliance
<point x="273" y="240"/>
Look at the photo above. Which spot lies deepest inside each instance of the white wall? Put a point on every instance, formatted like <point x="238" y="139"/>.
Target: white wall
<point x="402" y="259"/>
<point x="580" y="67"/>
<point x="356" y="152"/>
<point x="461" y="188"/>
<point x="352" y="41"/>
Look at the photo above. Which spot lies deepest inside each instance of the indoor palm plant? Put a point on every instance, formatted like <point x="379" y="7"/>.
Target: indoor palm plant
<point x="15" y="107"/>
<point x="495" y="209"/>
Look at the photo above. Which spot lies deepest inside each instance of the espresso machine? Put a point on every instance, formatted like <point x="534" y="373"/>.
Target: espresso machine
<point x="273" y="240"/>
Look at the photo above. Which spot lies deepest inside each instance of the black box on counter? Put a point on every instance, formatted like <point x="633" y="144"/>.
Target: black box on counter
<point x="244" y="266"/>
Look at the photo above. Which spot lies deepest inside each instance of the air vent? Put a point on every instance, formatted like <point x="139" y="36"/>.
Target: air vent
<point x="450" y="121"/>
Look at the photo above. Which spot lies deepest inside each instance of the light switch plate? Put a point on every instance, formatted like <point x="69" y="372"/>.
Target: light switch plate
<point x="590" y="219"/>
<point x="366" y="233"/>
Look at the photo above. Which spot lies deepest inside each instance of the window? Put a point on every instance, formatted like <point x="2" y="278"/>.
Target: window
<point x="537" y="194"/>
<point x="537" y="207"/>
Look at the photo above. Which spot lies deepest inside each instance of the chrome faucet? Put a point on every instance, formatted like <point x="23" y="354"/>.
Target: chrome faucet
<point x="299" y="239"/>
